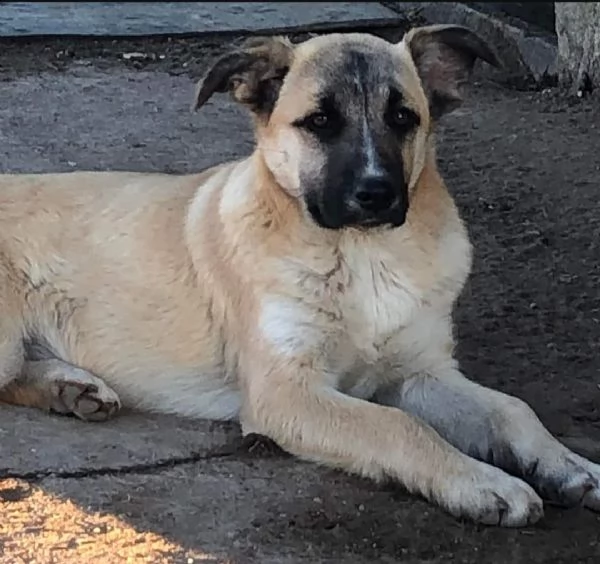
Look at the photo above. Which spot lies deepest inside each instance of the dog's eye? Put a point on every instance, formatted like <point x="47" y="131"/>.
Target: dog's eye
<point x="325" y="125"/>
<point x="402" y="118"/>
<point x="318" y="120"/>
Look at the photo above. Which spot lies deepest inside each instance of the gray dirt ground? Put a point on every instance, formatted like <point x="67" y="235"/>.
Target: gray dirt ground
<point x="524" y="168"/>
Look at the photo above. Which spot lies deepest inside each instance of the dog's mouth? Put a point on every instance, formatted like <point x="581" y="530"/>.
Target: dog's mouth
<point x="349" y="217"/>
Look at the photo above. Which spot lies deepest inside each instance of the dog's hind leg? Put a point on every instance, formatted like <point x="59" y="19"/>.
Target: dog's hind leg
<point x="499" y="429"/>
<point x="54" y="385"/>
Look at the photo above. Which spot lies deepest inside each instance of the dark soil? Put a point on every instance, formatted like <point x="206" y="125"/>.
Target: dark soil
<point x="525" y="170"/>
<point x="174" y="55"/>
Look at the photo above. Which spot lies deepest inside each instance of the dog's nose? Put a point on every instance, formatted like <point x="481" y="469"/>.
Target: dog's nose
<point x="375" y="193"/>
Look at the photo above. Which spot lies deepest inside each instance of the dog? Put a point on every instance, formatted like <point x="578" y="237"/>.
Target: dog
<point x="306" y="290"/>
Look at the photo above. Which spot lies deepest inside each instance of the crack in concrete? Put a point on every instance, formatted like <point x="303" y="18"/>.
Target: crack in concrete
<point x="138" y="468"/>
<point x="251" y="446"/>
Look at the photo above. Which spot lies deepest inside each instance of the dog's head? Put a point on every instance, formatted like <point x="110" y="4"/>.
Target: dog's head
<point x="343" y="120"/>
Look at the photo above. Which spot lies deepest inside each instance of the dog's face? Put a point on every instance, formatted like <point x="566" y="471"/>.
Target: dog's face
<point x="343" y="120"/>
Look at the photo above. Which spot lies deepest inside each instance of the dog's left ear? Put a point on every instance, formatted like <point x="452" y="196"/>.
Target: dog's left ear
<point x="445" y="56"/>
<point x="252" y="74"/>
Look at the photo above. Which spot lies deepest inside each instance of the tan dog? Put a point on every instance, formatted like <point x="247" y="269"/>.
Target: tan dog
<point x="306" y="290"/>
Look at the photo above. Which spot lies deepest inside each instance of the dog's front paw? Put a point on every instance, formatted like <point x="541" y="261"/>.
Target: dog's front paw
<point x="569" y="480"/>
<point x="490" y="496"/>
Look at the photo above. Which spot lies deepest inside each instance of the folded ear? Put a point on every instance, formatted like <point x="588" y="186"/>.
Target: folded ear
<point x="445" y="56"/>
<point x="252" y="74"/>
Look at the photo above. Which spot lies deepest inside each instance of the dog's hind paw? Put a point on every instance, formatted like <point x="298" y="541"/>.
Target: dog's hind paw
<point x="84" y="396"/>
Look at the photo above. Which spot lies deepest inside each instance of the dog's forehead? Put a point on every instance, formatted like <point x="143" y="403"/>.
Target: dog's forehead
<point x="349" y="63"/>
<point x="335" y="49"/>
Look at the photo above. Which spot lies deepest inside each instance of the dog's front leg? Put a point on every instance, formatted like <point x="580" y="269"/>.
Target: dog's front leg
<point x="290" y="401"/>
<point x="498" y="429"/>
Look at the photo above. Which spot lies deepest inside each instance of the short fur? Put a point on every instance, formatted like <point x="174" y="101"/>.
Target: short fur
<point x="306" y="290"/>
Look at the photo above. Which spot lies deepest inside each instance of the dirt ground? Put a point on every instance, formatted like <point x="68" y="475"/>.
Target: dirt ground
<point x="525" y="171"/>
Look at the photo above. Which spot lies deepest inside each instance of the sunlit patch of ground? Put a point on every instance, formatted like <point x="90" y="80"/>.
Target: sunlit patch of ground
<point x="39" y="528"/>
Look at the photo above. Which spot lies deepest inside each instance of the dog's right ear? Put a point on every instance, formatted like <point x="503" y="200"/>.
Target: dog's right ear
<point x="252" y="74"/>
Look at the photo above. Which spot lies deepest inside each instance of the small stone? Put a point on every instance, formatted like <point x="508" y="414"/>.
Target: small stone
<point x="135" y="55"/>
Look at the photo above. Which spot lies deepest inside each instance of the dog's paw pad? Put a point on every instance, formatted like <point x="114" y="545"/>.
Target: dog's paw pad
<point x="87" y="401"/>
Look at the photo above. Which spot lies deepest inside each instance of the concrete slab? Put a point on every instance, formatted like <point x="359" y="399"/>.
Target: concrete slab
<point x="18" y="19"/>
<point x="81" y="113"/>
<point x="33" y="444"/>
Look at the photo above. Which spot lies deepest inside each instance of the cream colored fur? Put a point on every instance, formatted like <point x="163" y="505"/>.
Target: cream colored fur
<point x="212" y="295"/>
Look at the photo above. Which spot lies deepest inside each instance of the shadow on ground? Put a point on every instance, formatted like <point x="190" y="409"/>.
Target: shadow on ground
<point x="525" y="172"/>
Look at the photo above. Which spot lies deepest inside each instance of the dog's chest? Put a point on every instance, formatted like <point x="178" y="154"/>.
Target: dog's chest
<point x="374" y="297"/>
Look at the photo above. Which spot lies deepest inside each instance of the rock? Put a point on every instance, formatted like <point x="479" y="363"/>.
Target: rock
<point x="538" y="14"/>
